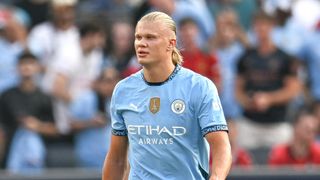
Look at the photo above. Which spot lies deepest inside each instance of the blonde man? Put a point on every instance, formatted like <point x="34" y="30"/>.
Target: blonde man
<point x="165" y="115"/>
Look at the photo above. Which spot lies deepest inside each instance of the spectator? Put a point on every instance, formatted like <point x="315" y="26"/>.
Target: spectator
<point x="120" y="52"/>
<point x="75" y="68"/>
<point x="12" y="42"/>
<point x="179" y="10"/>
<point x="303" y="149"/>
<point x="26" y="113"/>
<point x="311" y="59"/>
<point x="195" y="58"/>
<point x="244" y="9"/>
<point x="46" y="38"/>
<point x="266" y="83"/>
<point x="228" y="44"/>
<point x="91" y="124"/>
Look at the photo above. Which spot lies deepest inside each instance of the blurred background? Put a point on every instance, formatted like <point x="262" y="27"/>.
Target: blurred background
<point x="60" y="60"/>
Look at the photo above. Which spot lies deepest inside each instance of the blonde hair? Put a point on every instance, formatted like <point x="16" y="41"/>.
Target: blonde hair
<point x="168" y="21"/>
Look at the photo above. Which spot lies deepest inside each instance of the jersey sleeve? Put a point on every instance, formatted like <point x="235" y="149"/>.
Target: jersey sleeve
<point x="209" y="111"/>
<point x="117" y="121"/>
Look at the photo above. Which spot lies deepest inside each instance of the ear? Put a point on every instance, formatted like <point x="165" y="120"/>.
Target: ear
<point x="172" y="44"/>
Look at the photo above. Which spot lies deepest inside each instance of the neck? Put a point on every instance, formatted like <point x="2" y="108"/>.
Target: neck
<point x="266" y="47"/>
<point x="85" y="48"/>
<point x="158" y="73"/>
<point x="27" y="85"/>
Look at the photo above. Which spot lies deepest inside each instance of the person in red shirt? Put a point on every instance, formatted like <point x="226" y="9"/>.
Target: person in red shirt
<point x="303" y="149"/>
<point x="194" y="57"/>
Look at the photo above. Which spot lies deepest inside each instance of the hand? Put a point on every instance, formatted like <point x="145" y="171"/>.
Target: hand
<point x="261" y="101"/>
<point x="31" y="123"/>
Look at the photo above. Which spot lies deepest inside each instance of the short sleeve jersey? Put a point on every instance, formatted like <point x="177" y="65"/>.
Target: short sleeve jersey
<point x="166" y="124"/>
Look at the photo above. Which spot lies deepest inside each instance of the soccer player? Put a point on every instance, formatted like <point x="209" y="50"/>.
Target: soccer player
<point x="165" y="116"/>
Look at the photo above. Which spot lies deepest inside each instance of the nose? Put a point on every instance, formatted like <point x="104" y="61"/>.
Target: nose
<point x="141" y="43"/>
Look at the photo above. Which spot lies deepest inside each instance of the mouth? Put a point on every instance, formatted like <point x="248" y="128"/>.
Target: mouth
<point x="142" y="54"/>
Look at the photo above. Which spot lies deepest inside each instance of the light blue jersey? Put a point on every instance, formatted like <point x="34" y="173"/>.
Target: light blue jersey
<point x="166" y="124"/>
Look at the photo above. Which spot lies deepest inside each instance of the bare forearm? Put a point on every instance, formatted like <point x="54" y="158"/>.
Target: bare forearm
<point x="221" y="155"/>
<point x="221" y="163"/>
<point x="287" y="93"/>
<point x="113" y="170"/>
<point x="48" y="129"/>
<point x="115" y="164"/>
<point x="244" y="100"/>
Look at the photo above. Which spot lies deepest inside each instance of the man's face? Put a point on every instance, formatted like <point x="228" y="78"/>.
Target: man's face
<point x="152" y="40"/>
<point x="263" y="29"/>
<point x="306" y="129"/>
<point x="188" y="34"/>
<point x="28" y="68"/>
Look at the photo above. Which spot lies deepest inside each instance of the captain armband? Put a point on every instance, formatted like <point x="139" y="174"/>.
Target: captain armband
<point x="214" y="128"/>
<point x="119" y="132"/>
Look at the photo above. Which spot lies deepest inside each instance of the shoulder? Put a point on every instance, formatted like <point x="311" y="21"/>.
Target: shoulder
<point x="9" y="92"/>
<point x="195" y="82"/>
<point x="44" y="27"/>
<point x="129" y="83"/>
<point x="189" y="76"/>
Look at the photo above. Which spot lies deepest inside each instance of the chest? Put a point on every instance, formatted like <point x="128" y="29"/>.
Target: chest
<point x="159" y="112"/>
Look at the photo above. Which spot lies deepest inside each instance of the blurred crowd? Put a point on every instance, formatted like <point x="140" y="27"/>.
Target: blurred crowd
<point x="61" y="59"/>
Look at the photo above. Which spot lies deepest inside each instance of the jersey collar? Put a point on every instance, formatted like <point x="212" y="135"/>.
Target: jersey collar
<point x="172" y="75"/>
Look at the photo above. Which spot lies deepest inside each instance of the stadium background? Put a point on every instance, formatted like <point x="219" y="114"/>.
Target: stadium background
<point x="298" y="21"/>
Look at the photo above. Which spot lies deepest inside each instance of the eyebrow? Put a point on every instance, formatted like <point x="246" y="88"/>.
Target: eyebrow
<point x="146" y="34"/>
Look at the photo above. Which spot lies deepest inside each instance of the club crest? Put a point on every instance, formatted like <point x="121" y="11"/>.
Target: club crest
<point x="178" y="106"/>
<point x="154" y="105"/>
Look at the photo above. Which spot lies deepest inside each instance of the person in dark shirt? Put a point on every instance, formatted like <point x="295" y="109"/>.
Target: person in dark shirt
<point x="27" y="111"/>
<point x="266" y="83"/>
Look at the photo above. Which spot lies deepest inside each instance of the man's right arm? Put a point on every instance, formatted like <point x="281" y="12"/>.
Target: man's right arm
<point x="116" y="160"/>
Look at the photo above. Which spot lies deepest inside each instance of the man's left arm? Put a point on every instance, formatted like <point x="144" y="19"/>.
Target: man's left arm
<point x="221" y="154"/>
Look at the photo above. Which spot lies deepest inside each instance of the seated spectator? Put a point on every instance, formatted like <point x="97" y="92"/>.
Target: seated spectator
<point x="303" y="149"/>
<point x="26" y="114"/>
<point x="193" y="56"/>
<point x="90" y="122"/>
